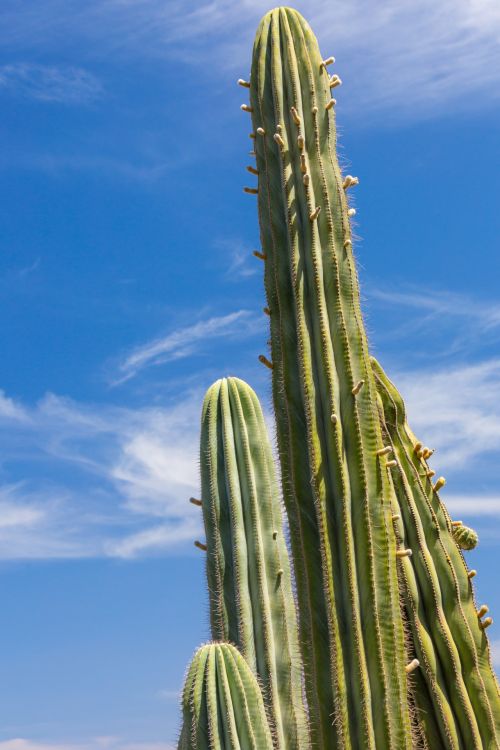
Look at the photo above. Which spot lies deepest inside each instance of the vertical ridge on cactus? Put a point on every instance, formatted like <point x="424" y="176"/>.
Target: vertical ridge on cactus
<point x="248" y="571"/>
<point x="222" y="704"/>
<point x="335" y="487"/>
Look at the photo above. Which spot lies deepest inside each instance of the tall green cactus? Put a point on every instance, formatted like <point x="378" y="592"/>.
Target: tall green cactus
<point x="248" y="571"/>
<point x="336" y="486"/>
<point x="222" y="703"/>
<point x="394" y="649"/>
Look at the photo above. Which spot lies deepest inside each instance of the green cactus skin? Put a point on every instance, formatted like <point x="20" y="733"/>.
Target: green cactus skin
<point x="443" y="617"/>
<point x="222" y="703"/>
<point x="336" y="488"/>
<point x="248" y="570"/>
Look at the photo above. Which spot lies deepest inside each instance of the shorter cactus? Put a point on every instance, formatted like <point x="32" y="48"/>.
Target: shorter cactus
<point x="222" y="703"/>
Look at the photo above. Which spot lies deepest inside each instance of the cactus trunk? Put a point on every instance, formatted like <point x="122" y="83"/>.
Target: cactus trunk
<point x="248" y="570"/>
<point x="336" y="488"/>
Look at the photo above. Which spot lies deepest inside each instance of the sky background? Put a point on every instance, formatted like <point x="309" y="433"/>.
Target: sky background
<point x="128" y="285"/>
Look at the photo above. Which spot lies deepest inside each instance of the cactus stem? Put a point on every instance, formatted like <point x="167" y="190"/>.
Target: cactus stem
<point x="391" y="464"/>
<point x="471" y="574"/>
<point x="252" y="170"/>
<point x="315" y="213"/>
<point x="306" y="179"/>
<point x="261" y="131"/>
<point x="265" y="361"/>
<point x="384" y="451"/>
<point x="200" y="545"/>
<point x="279" y="140"/>
<point x="349" y="181"/>
<point x="261" y="256"/>
<point x="351" y="212"/>
<point x="295" y="115"/>
<point x="301" y="142"/>
<point x="357" y="387"/>
<point x="242" y="82"/>
<point x="483" y="609"/>
<point x="303" y="165"/>
<point x="439" y="484"/>
<point x="335" y="81"/>
<point x="486" y="623"/>
<point x="334" y="418"/>
<point x="330" y="104"/>
<point x="251" y="191"/>
<point x="195" y="501"/>
<point x="404" y="553"/>
<point x="430" y="473"/>
<point x="246" y="108"/>
<point x="266" y="311"/>
<point x="328" y="61"/>
<point x="412" y="666"/>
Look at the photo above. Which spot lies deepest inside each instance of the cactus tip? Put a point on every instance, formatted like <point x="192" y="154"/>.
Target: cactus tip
<point x="242" y="82"/>
<point x="439" y="484"/>
<point x="331" y="104"/>
<point x="471" y="574"/>
<point x="246" y="108"/>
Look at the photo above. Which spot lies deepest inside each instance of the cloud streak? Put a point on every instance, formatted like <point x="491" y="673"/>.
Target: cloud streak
<point x="61" y="85"/>
<point x="417" y="58"/>
<point x="185" y="342"/>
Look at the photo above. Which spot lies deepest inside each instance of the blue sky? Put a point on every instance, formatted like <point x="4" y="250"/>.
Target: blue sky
<point x="128" y="285"/>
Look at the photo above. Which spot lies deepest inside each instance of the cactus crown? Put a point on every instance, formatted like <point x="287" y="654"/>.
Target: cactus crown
<point x="389" y="650"/>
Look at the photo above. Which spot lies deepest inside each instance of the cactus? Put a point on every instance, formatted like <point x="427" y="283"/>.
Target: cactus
<point x="222" y="703"/>
<point x="447" y="633"/>
<point x="336" y="486"/>
<point x="248" y="571"/>
<point x="394" y="649"/>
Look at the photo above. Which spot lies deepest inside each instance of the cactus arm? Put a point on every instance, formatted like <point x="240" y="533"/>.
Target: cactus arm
<point x="446" y="591"/>
<point x="223" y="707"/>
<point x="248" y="570"/>
<point x="335" y="487"/>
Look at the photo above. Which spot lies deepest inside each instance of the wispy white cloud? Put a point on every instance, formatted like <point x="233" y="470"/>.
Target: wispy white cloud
<point x="97" y="743"/>
<point x="98" y="480"/>
<point x="185" y="341"/>
<point x="455" y="409"/>
<point x="63" y="85"/>
<point x="417" y="57"/>
<point x="474" y="505"/>
<point x="464" y="318"/>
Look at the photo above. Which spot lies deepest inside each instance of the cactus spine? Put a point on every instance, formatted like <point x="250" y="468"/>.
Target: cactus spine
<point x="248" y="571"/>
<point x="336" y="488"/>
<point x="222" y="703"/>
